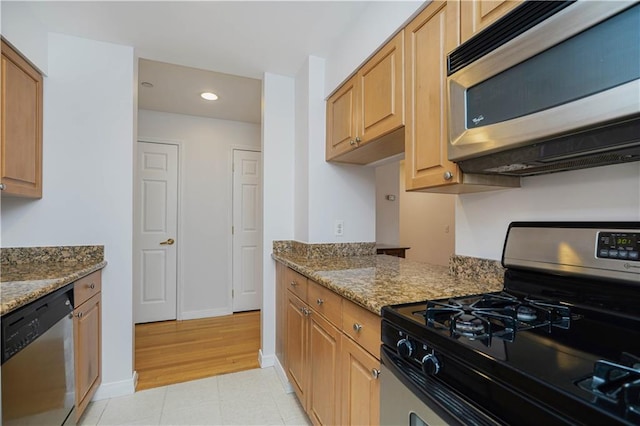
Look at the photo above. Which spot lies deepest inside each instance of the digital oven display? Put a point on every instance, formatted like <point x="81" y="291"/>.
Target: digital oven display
<point x="618" y="245"/>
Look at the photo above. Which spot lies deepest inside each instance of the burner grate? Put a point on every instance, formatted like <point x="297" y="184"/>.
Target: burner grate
<point x="499" y="315"/>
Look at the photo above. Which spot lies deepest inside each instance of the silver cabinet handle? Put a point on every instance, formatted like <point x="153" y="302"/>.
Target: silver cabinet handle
<point x="79" y="314"/>
<point x="3" y="186"/>
<point x="293" y="284"/>
<point x="447" y="175"/>
<point x="92" y="286"/>
<point x="352" y="142"/>
<point x="358" y="140"/>
<point x="357" y="327"/>
<point x="319" y="302"/>
<point x="375" y="373"/>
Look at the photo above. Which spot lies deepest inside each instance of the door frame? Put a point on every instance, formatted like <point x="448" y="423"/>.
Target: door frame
<point x="240" y="147"/>
<point x="179" y="251"/>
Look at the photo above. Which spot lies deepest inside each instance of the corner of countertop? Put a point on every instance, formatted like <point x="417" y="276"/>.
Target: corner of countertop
<point x="467" y="267"/>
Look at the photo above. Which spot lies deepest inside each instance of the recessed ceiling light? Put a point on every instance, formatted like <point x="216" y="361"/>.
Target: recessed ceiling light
<point x="209" y="96"/>
<point x="146" y="84"/>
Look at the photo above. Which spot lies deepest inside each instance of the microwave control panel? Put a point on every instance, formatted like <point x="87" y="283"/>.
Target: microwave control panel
<point x="618" y="245"/>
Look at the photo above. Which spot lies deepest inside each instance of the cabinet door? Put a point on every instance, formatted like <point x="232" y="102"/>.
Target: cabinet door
<point x="296" y="347"/>
<point x="429" y="37"/>
<point x="324" y="354"/>
<point x="478" y="14"/>
<point x="381" y="93"/>
<point x="341" y="120"/>
<point x="360" y="396"/>
<point x="281" y="312"/>
<point x="21" y="153"/>
<point x="87" y="340"/>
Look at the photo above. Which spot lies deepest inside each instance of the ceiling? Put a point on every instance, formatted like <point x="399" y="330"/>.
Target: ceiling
<point x="221" y="46"/>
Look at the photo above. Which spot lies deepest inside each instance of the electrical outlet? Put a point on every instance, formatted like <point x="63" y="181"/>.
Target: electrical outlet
<point x="338" y="228"/>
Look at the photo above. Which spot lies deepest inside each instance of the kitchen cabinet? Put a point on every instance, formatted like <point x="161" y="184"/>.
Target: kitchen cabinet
<point x="281" y="312"/>
<point x="365" y="116"/>
<point x="21" y="134"/>
<point x="361" y="387"/>
<point x="429" y="38"/>
<point x="316" y="328"/>
<point x="87" y="334"/>
<point x="478" y="14"/>
<point x="312" y="356"/>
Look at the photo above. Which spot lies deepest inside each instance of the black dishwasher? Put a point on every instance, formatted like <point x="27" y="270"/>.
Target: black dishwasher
<point x="38" y="379"/>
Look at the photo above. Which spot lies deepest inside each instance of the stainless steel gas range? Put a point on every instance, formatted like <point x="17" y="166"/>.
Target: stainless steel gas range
<point x="559" y="345"/>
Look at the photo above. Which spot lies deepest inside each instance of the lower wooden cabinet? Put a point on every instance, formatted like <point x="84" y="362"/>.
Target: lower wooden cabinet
<point x="87" y="334"/>
<point x="296" y="364"/>
<point x="324" y="358"/>
<point x="360" y="385"/>
<point x="328" y="347"/>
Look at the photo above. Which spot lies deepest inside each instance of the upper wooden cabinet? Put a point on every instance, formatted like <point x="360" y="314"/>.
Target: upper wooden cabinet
<point x="428" y="40"/>
<point x="429" y="37"/>
<point x="21" y="135"/>
<point x="478" y="14"/>
<point x="365" y="116"/>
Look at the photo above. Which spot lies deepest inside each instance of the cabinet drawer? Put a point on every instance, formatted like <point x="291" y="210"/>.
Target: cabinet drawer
<point x="296" y="283"/>
<point x="325" y="302"/>
<point x="86" y="287"/>
<point x="362" y="326"/>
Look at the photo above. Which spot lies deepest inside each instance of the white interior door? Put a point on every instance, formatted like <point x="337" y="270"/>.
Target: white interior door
<point x="247" y="230"/>
<point x="155" y="232"/>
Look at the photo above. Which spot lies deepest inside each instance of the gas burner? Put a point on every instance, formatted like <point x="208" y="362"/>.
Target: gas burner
<point x="526" y="313"/>
<point x="469" y="326"/>
<point x="491" y="315"/>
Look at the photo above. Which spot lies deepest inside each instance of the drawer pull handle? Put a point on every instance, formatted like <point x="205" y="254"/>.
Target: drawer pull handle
<point x="319" y="302"/>
<point x="92" y="286"/>
<point x="306" y="312"/>
<point x="79" y="314"/>
<point x="357" y="327"/>
<point x="293" y="283"/>
<point x="375" y="373"/>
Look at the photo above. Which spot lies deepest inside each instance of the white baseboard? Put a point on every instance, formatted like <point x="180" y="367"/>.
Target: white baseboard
<point x="266" y="360"/>
<point x="282" y="375"/>
<point x="114" y="389"/>
<point x="207" y="313"/>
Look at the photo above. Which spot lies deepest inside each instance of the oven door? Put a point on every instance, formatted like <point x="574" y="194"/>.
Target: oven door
<point x="409" y="397"/>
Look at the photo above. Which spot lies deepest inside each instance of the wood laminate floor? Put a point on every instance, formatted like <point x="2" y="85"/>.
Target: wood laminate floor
<point x="171" y="352"/>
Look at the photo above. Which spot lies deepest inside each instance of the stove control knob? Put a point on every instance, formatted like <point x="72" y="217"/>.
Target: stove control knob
<point x="405" y="348"/>
<point x="430" y="365"/>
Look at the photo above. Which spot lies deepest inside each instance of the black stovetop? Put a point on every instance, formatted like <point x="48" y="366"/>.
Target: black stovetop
<point x="545" y="360"/>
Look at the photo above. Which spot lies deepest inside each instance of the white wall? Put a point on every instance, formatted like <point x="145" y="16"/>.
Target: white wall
<point x="87" y="175"/>
<point x="388" y="212"/>
<point x="301" y="158"/>
<point x="278" y="134"/>
<point x="25" y="32"/>
<point x="598" y="194"/>
<point x="207" y="146"/>
<point x="427" y="224"/>
<point x="378" y="21"/>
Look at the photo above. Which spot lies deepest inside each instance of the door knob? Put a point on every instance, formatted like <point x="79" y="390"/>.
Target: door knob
<point x="169" y="242"/>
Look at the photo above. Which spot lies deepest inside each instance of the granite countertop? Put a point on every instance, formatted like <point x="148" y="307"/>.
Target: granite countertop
<point x="374" y="281"/>
<point x="29" y="273"/>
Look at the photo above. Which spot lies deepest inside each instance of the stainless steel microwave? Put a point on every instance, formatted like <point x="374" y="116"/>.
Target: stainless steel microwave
<point x="553" y="85"/>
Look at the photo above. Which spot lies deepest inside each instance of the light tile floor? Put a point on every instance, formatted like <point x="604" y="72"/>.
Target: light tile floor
<point x="253" y="397"/>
